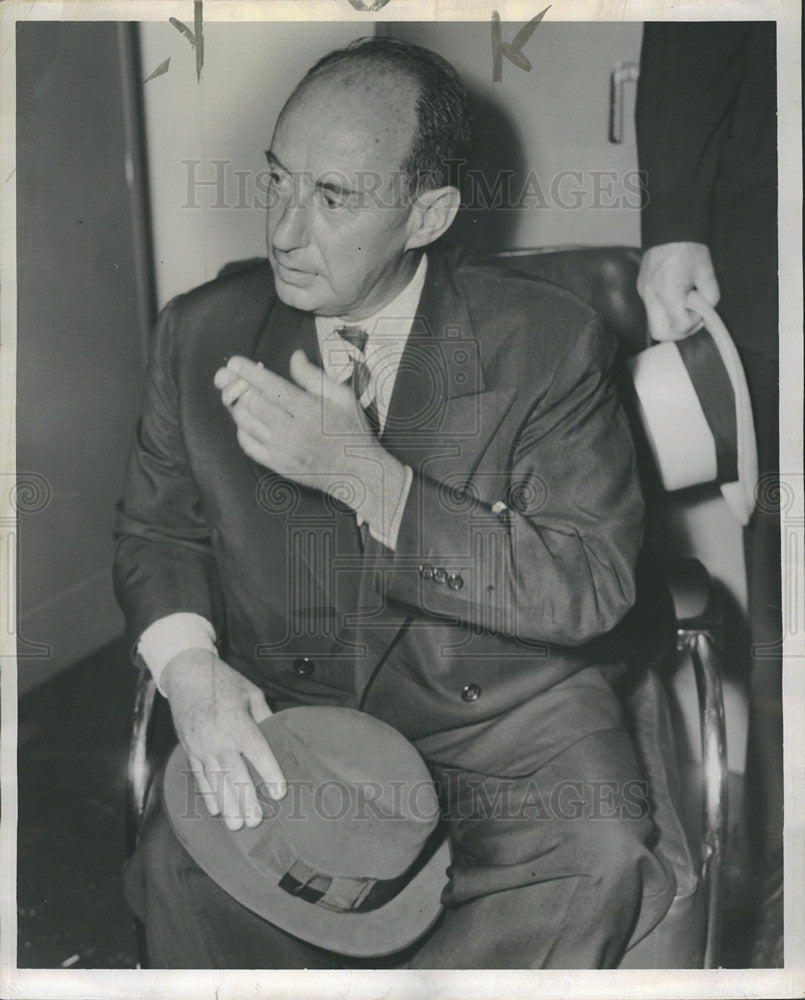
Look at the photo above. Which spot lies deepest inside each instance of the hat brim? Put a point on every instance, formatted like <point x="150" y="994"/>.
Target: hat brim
<point x="740" y="495"/>
<point x="383" y="931"/>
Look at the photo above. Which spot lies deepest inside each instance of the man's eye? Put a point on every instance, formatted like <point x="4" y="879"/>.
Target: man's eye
<point x="331" y="200"/>
<point x="276" y="177"/>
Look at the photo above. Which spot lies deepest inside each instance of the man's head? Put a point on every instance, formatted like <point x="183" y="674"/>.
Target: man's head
<point x="363" y="162"/>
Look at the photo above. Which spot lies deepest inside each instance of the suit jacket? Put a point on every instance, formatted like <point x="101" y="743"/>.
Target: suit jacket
<point x="517" y="544"/>
<point x="706" y="118"/>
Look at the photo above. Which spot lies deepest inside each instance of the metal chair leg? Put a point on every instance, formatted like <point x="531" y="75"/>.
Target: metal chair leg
<point x="139" y="773"/>
<point x="703" y="649"/>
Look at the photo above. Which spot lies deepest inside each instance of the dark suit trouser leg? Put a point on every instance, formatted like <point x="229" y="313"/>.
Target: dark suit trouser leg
<point x="553" y="870"/>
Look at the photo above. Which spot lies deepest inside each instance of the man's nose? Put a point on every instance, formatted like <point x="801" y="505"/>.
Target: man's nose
<point x="292" y="230"/>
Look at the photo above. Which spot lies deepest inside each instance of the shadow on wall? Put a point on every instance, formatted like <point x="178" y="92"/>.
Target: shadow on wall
<point x="498" y="170"/>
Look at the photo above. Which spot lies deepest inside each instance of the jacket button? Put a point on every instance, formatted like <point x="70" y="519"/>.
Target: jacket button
<point x="426" y="572"/>
<point x="470" y="692"/>
<point x="303" y="666"/>
<point x="455" y="582"/>
<point x="440" y="575"/>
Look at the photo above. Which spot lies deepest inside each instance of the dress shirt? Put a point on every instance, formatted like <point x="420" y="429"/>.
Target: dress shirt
<point x="388" y="331"/>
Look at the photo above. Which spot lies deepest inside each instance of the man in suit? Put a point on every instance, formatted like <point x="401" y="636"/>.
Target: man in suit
<point x="433" y="525"/>
<point x="706" y="121"/>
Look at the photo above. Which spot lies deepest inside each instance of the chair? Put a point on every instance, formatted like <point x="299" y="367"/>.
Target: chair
<point x="689" y="935"/>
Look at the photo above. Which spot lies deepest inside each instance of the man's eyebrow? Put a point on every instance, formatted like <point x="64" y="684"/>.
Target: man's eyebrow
<point x="273" y="159"/>
<point x="326" y="185"/>
<point x="335" y="188"/>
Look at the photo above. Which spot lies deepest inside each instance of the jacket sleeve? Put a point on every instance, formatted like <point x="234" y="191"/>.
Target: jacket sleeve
<point x="690" y="76"/>
<point x="163" y="556"/>
<point x="557" y="564"/>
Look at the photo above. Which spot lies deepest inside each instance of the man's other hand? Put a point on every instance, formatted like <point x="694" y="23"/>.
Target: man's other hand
<point x="216" y="712"/>
<point x="667" y="274"/>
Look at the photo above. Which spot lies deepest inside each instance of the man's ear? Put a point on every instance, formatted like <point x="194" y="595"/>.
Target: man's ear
<point x="431" y="215"/>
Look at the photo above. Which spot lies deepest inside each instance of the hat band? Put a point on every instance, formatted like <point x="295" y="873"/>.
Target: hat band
<point x="348" y="895"/>
<point x="711" y="382"/>
<point x="342" y="893"/>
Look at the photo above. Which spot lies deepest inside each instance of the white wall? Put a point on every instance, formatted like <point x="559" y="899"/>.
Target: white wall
<point x="249" y="71"/>
<point x="552" y="120"/>
<point x="79" y="368"/>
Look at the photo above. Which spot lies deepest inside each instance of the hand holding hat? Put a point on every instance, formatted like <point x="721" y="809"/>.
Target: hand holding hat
<point x="216" y="712"/>
<point x="668" y="273"/>
<point x="695" y="410"/>
<point x="352" y="858"/>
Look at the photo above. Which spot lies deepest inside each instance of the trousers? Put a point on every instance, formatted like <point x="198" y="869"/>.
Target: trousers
<point x="553" y="869"/>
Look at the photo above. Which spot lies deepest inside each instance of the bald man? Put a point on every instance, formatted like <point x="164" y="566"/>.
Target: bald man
<point x="363" y="477"/>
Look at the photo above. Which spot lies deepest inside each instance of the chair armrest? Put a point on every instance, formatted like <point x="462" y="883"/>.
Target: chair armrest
<point x="699" y="623"/>
<point x="693" y="596"/>
<point x="140" y="769"/>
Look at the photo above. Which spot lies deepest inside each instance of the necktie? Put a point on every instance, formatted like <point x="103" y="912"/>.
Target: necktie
<point x="360" y="377"/>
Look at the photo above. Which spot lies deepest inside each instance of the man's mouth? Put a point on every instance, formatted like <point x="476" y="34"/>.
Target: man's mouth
<point x="293" y="275"/>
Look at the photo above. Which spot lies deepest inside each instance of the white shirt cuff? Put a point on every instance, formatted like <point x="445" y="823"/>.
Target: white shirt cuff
<point x="171" y="635"/>
<point x="387" y="526"/>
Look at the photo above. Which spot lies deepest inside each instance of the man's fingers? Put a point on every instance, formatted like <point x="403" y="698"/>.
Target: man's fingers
<point x="707" y="284"/>
<point x="274" y="387"/>
<point x="213" y="780"/>
<point x="679" y="318"/>
<point x="659" y="321"/>
<point x="210" y="801"/>
<point x="240" y="798"/>
<point x="232" y="392"/>
<point x="255" y="449"/>
<point x="310" y="377"/>
<point x="258" y="705"/>
<point x="223" y="377"/>
<point x="255" y="748"/>
<point x="317" y="382"/>
<point x="269" y="413"/>
<point x="306" y="375"/>
<point x="253" y="430"/>
<point x="667" y="274"/>
<point x="268" y="454"/>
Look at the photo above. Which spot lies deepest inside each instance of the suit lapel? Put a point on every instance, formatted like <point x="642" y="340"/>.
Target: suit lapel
<point x="441" y="414"/>
<point x="284" y="331"/>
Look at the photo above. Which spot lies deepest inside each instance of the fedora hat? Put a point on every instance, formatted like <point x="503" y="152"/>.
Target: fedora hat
<point x="350" y="859"/>
<point x="695" y="409"/>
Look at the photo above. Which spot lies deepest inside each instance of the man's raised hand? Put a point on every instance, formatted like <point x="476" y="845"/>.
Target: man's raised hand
<point x="311" y="431"/>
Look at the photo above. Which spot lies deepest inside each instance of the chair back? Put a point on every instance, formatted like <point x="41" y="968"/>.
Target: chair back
<point x="603" y="277"/>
